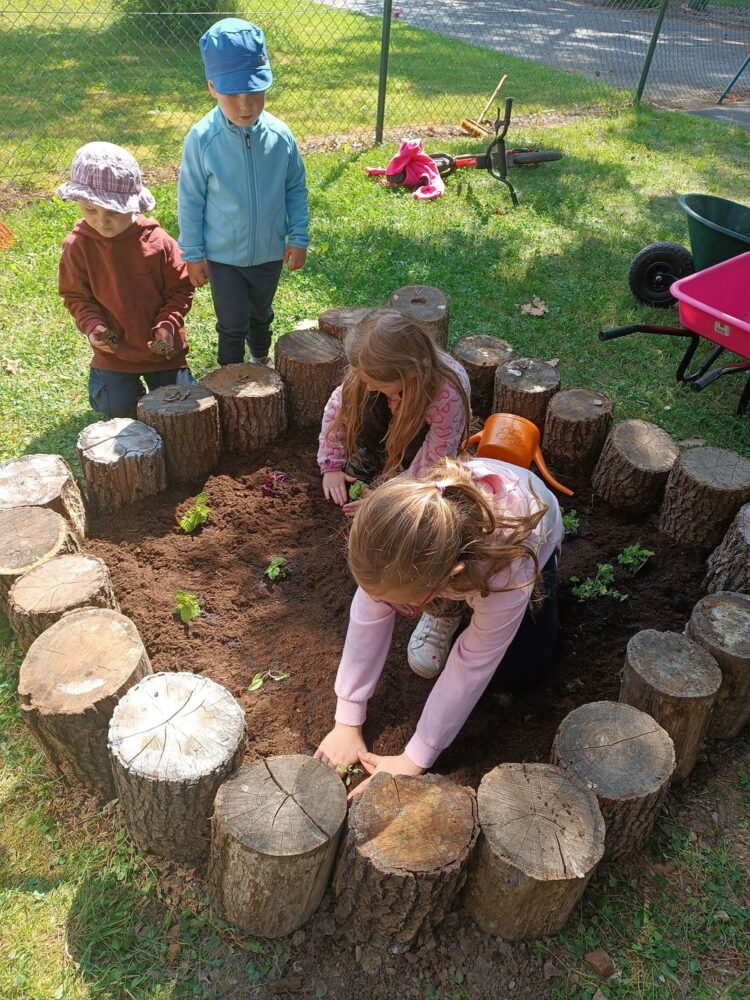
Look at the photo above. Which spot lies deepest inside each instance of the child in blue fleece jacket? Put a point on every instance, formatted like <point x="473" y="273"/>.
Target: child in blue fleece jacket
<point x="241" y="198"/>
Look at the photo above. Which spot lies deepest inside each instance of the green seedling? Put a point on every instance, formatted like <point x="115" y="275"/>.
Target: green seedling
<point x="634" y="558"/>
<point x="277" y="569"/>
<point x="355" y="490"/>
<point x="262" y="676"/>
<point x="571" y="523"/>
<point x="347" y="773"/>
<point x="186" y="606"/>
<point x="197" y="515"/>
<point x="600" y="586"/>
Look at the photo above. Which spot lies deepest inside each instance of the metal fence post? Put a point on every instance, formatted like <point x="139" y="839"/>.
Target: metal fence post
<point x="385" y="44"/>
<point x="651" y="50"/>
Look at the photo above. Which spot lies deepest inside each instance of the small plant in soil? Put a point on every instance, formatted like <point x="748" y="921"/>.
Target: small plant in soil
<point x="197" y="515"/>
<point x="347" y="773"/>
<point x="634" y="558"/>
<point x="187" y="606"/>
<point x="273" y="482"/>
<point x="571" y="523"/>
<point x="277" y="569"/>
<point x="262" y="676"/>
<point x="357" y="491"/>
<point x="600" y="586"/>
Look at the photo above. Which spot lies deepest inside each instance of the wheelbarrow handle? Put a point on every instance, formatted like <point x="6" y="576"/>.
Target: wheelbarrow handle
<point x="625" y="331"/>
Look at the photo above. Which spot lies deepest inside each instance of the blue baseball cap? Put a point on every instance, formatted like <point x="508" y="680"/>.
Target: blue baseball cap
<point x="235" y="58"/>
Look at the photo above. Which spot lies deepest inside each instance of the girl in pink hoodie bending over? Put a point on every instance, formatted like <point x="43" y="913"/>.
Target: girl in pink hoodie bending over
<point x="483" y="532"/>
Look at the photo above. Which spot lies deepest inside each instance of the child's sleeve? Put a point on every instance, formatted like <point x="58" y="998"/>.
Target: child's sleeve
<point x="446" y="418"/>
<point x="178" y="290"/>
<point x="297" y="209"/>
<point x="331" y="446"/>
<point x="191" y="200"/>
<point x="368" y="640"/>
<point x="73" y="285"/>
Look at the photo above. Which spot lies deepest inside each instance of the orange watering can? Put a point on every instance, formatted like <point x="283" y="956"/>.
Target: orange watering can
<point x="510" y="438"/>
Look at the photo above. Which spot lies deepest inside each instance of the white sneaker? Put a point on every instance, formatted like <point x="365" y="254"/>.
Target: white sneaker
<point x="430" y="644"/>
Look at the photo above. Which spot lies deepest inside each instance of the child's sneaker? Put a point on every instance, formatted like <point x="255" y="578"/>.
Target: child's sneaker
<point x="266" y="361"/>
<point x="430" y="644"/>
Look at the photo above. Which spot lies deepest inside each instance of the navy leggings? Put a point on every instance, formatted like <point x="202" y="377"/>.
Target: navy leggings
<point x="116" y="394"/>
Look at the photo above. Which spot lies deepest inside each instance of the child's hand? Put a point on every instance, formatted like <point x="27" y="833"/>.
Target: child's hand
<point x="163" y="343"/>
<point x="101" y="340"/>
<point x="197" y="272"/>
<point x="375" y="764"/>
<point x="342" y="746"/>
<point x="294" y="258"/>
<point x="334" y="486"/>
<point x="350" y="507"/>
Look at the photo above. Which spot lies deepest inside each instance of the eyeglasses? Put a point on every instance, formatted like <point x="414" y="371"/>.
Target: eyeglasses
<point x="411" y="610"/>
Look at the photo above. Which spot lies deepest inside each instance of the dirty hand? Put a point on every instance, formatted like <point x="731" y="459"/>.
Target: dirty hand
<point x="342" y="746"/>
<point x="334" y="486"/>
<point x="294" y="258"/>
<point x="197" y="272"/>
<point x="165" y="334"/>
<point x="374" y="764"/>
<point x="96" y="341"/>
<point x="350" y="507"/>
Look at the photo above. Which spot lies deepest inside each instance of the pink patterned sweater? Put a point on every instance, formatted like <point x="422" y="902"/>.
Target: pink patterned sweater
<point x="445" y="417"/>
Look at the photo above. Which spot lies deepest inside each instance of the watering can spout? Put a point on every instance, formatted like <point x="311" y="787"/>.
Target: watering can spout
<point x="547" y="475"/>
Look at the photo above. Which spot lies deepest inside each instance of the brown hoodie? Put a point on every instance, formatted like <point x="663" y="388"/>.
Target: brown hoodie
<point x="132" y="284"/>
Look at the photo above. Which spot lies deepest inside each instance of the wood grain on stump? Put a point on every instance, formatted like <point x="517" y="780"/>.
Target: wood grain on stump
<point x="728" y="565"/>
<point x="404" y="856"/>
<point x="311" y="364"/>
<point x="720" y="623"/>
<point x="72" y="678"/>
<point x="274" y="835"/>
<point x="186" y="418"/>
<point x="173" y="739"/>
<point x="427" y="307"/>
<point x="675" y="681"/>
<point x="43" y="481"/>
<point x="338" y="322"/>
<point x="575" y="429"/>
<point x="481" y="356"/>
<point x="122" y="461"/>
<point x="627" y="759"/>
<point x="29" y="537"/>
<point x="634" y="465"/>
<point x="252" y="405"/>
<point x="542" y="837"/>
<point x="525" y="386"/>
<point x="705" y="489"/>
<point x="42" y="596"/>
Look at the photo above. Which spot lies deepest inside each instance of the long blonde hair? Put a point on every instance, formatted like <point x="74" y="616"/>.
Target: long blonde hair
<point x="410" y="533"/>
<point x="391" y="348"/>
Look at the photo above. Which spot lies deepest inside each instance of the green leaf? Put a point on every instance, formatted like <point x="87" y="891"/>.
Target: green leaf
<point x="252" y="945"/>
<point x="278" y="675"/>
<point x="186" y="606"/>
<point x="256" y="683"/>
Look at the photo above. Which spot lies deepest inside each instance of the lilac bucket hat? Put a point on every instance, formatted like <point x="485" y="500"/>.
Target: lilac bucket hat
<point x="108" y="176"/>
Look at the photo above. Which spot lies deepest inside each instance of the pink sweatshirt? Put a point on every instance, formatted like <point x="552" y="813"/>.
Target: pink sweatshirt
<point x="445" y="417"/>
<point x="479" y="648"/>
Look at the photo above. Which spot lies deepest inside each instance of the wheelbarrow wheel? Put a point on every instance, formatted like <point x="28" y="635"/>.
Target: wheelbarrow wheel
<point x="653" y="270"/>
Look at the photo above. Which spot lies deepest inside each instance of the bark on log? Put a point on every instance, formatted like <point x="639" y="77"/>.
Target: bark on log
<point x="634" y="465"/>
<point x="274" y="835"/>
<point x="173" y="739"/>
<point x="525" y="386"/>
<point x="122" y="461"/>
<point x="575" y="429"/>
<point x="72" y="678"/>
<point x="43" y="481"/>
<point x="729" y="564"/>
<point x="627" y="759"/>
<point x="705" y="489"/>
<point x="427" y="307"/>
<point x="29" y="537"/>
<point x="186" y="418"/>
<point x="676" y="682"/>
<point x="252" y="405"/>
<point x="404" y="857"/>
<point x="481" y="356"/>
<point x="338" y="322"/>
<point x="542" y="837"/>
<point x="720" y="623"/>
<point x="311" y="364"/>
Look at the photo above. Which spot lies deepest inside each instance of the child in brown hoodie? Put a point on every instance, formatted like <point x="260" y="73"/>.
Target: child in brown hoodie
<point x="123" y="281"/>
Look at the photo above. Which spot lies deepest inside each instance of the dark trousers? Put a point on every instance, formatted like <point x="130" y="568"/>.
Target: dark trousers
<point x="368" y="463"/>
<point x="116" y="394"/>
<point x="243" y="298"/>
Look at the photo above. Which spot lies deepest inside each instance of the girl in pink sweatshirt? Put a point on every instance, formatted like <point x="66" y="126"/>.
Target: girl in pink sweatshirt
<point x="483" y="532"/>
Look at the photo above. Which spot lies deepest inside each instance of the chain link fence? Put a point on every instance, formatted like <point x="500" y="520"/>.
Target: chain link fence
<point x="129" y="71"/>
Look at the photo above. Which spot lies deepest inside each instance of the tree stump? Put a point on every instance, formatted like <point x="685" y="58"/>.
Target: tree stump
<point x="427" y="307"/>
<point x="274" y="834"/>
<point x="525" y="386"/>
<point x="542" y="837"/>
<point x="186" y="418"/>
<point x="252" y="405"/>
<point x="338" y="322"/>
<point x="627" y="759"/>
<point x="676" y="682"/>
<point x="705" y="489"/>
<point x="720" y="623"/>
<point x="173" y="739"/>
<point x="122" y="461"/>
<point x="29" y="537"/>
<point x="729" y="564"/>
<point x="481" y="356"/>
<point x="72" y="678"/>
<point x="404" y="856"/>
<point x="575" y="429"/>
<point x="43" y="481"/>
<point x="311" y="364"/>
<point x="42" y="596"/>
<point x="634" y="465"/>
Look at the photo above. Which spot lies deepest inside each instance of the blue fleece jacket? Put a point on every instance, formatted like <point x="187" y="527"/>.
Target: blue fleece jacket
<point x="241" y="196"/>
